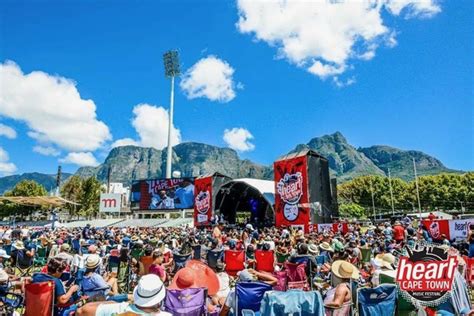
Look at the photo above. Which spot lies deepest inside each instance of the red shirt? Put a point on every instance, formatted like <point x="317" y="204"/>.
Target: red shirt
<point x="157" y="269"/>
<point x="398" y="232"/>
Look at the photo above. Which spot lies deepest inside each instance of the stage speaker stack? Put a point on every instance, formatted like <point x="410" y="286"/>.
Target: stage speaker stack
<point x="302" y="190"/>
<point x="205" y="192"/>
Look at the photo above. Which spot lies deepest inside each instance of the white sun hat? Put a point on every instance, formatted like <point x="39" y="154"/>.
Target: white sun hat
<point x="149" y="292"/>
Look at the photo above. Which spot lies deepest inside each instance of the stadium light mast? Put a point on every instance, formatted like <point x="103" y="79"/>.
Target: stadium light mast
<point x="171" y="62"/>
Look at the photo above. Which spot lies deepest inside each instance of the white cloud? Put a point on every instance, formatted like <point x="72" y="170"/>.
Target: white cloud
<point x="325" y="36"/>
<point x="7" y="131"/>
<point x="413" y="8"/>
<point x="238" y="138"/>
<point x="151" y="123"/>
<point x="46" y="151"/>
<point x="6" y="167"/>
<point x="81" y="159"/>
<point x="124" y="142"/>
<point x="52" y="108"/>
<point x="210" y="78"/>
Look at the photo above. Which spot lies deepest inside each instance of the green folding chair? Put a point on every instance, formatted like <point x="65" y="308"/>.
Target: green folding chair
<point x="404" y="307"/>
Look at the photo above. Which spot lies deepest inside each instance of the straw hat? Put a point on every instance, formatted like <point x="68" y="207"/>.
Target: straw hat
<point x="344" y="270"/>
<point x="149" y="292"/>
<point x="19" y="245"/>
<point x="92" y="261"/>
<point x="325" y="246"/>
<point x="386" y="260"/>
<point x="313" y="249"/>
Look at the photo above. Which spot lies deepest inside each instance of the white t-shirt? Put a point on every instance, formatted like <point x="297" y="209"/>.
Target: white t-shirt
<point x="119" y="308"/>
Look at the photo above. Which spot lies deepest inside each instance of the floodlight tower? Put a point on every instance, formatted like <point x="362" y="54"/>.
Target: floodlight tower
<point x="171" y="61"/>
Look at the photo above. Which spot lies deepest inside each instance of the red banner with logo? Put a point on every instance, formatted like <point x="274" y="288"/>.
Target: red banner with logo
<point x="202" y="201"/>
<point x="291" y="191"/>
<point x="437" y="227"/>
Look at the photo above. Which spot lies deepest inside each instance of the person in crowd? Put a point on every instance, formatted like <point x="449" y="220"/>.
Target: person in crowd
<point x="156" y="267"/>
<point x="148" y="296"/>
<point x="22" y="257"/>
<point x="55" y="269"/>
<point x="340" y="294"/>
<point x="65" y="255"/>
<point x="95" y="286"/>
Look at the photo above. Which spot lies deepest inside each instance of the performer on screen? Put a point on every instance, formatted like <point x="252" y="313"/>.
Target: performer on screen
<point x="185" y="194"/>
<point x="162" y="202"/>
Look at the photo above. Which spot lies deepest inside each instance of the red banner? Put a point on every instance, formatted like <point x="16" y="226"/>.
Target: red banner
<point x="202" y="201"/>
<point x="437" y="227"/>
<point x="291" y="190"/>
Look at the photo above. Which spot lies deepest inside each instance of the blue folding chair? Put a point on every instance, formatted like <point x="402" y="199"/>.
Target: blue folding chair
<point x="213" y="257"/>
<point x="292" y="302"/>
<point x="321" y="259"/>
<point x="380" y="301"/>
<point x="180" y="261"/>
<point x="249" y="295"/>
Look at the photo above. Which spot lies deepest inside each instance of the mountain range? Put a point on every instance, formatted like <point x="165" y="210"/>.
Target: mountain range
<point x="193" y="159"/>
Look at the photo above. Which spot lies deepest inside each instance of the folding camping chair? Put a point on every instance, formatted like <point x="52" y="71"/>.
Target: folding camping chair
<point x="186" y="302"/>
<point x="366" y="255"/>
<point x="404" y="307"/>
<point x="213" y="257"/>
<point x="234" y="261"/>
<point x="265" y="260"/>
<point x="293" y="302"/>
<point x="180" y="261"/>
<point x="378" y="301"/>
<point x="39" y="299"/>
<point x="10" y="301"/>
<point x="281" y="258"/>
<point x="41" y="256"/>
<point x="321" y="259"/>
<point x="296" y="275"/>
<point x="196" y="252"/>
<point x="249" y="295"/>
<point x="137" y="253"/>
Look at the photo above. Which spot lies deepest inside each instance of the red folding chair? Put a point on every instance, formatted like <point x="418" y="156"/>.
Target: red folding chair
<point x="234" y="261"/>
<point x="296" y="276"/>
<point x="265" y="260"/>
<point x="39" y="299"/>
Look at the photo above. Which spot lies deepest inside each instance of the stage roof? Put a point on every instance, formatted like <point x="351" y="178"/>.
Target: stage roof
<point x="51" y="201"/>
<point x="266" y="187"/>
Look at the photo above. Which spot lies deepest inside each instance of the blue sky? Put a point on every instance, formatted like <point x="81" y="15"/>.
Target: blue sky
<point x="413" y="88"/>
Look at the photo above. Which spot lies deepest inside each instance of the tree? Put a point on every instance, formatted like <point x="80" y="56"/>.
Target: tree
<point x="91" y="190"/>
<point x="352" y="210"/>
<point x="22" y="188"/>
<point x="72" y="191"/>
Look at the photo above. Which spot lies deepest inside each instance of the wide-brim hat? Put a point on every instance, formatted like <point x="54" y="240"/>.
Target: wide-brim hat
<point x="19" y="245"/>
<point x="313" y="249"/>
<point x="196" y="274"/>
<point x="325" y="246"/>
<point x="344" y="270"/>
<point x="92" y="261"/>
<point x="299" y="235"/>
<point x="386" y="260"/>
<point x="150" y="291"/>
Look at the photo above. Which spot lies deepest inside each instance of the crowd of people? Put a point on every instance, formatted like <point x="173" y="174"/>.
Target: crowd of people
<point x="113" y="271"/>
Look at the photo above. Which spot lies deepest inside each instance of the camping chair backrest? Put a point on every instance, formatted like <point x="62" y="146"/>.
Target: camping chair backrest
<point x="146" y="261"/>
<point x="281" y="257"/>
<point x="136" y="253"/>
<point x="249" y="295"/>
<point x="402" y="303"/>
<point x="296" y="276"/>
<point x="39" y="299"/>
<point x="292" y="302"/>
<point x="42" y="252"/>
<point x="265" y="260"/>
<point x="180" y="261"/>
<point x="213" y="257"/>
<point x="234" y="261"/>
<point x="190" y="302"/>
<point x="377" y="301"/>
<point x="366" y="254"/>
<point x="196" y="252"/>
<point x="321" y="259"/>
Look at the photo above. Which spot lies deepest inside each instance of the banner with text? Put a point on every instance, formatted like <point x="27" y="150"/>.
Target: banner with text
<point x="291" y="191"/>
<point x="202" y="201"/>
